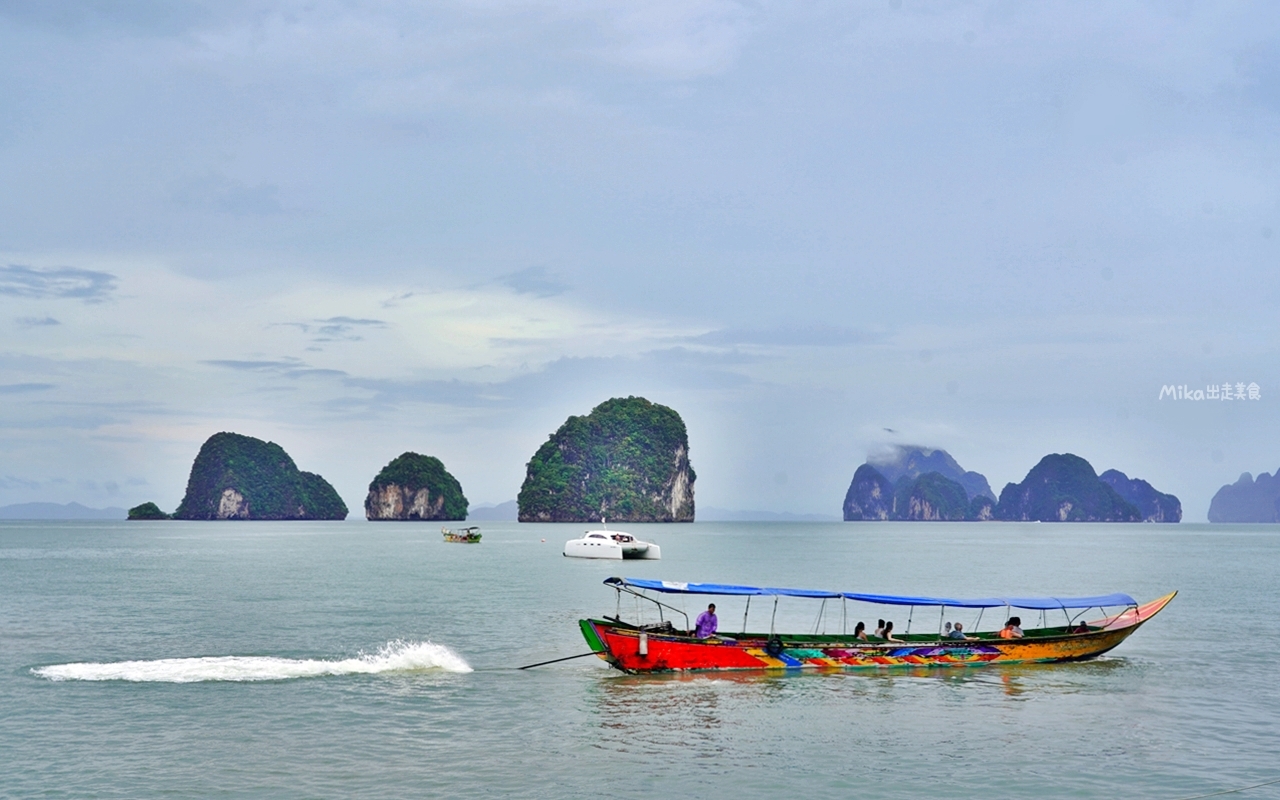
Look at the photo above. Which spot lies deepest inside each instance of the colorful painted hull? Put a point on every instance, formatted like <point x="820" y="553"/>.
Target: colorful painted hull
<point x="624" y="647"/>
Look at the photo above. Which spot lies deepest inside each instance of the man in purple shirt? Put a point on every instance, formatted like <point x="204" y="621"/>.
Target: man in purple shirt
<point x="706" y="624"/>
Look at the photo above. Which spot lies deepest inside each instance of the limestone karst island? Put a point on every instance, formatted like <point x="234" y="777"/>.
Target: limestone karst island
<point x="415" y="487"/>
<point x="626" y="461"/>
<point x="1248" y="500"/>
<point x="240" y="477"/>
<point x="912" y="483"/>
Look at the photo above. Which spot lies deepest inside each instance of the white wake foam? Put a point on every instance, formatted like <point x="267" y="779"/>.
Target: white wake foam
<point x="397" y="656"/>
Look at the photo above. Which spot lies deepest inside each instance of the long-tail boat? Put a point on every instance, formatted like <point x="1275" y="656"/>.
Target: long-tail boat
<point x="469" y="535"/>
<point x="660" y="646"/>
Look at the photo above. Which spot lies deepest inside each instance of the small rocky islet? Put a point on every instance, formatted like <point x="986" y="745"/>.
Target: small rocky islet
<point x="414" y="487"/>
<point x="928" y="484"/>
<point x="147" y="511"/>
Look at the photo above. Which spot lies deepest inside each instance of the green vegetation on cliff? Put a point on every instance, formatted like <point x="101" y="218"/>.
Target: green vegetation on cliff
<point x="147" y="511"/>
<point x="240" y="477"/>
<point x="1064" y="488"/>
<point x="628" y="460"/>
<point x="931" y="497"/>
<point x="413" y="472"/>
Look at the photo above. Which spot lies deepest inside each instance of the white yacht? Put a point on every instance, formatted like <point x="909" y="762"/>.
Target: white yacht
<point x="611" y="544"/>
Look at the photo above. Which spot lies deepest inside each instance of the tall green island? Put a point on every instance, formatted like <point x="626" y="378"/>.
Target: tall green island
<point x="415" y="487"/>
<point x="240" y="477"/>
<point x="626" y="461"/>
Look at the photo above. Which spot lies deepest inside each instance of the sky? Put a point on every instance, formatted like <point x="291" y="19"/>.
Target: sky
<point x="814" y="229"/>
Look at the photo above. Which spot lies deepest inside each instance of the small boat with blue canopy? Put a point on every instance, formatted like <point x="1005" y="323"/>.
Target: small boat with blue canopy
<point x="1069" y="629"/>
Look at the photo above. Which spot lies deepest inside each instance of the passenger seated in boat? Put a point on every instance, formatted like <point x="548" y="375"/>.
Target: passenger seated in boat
<point x="957" y="632"/>
<point x="860" y="631"/>
<point x="705" y="626"/>
<point x="1080" y="628"/>
<point x="946" y="633"/>
<point x="879" y="634"/>
<point x="1012" y="629"/>
<point x="888" y="632"/>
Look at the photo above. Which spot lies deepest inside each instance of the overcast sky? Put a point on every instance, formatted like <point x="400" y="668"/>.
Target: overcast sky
<point x="813" y="229"/>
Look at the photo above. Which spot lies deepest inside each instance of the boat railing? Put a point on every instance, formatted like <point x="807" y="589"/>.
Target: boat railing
<point x="620" y="588"/>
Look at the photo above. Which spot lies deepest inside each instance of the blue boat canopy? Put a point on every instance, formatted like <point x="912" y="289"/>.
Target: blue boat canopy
<point x="1037" y="603"/>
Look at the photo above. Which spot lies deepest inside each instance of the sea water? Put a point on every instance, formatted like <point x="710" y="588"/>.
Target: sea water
<point x="179" y="659"/>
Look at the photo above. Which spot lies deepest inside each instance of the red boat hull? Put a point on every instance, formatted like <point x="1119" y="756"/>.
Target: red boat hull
<point x="633" y="650"/>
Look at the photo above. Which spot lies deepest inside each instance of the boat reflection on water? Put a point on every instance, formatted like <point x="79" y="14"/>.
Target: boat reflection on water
<point x="730" y="716"/>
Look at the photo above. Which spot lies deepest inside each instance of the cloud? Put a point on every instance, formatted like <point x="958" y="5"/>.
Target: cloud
<point x="136" y="16"/>
<point x="604" y="377"/>
<point x="227" y="196"/>
<point x="288" y="368"/>
<point x="11" y="482"/>
<point x="1260" y="72"/>
<point x="390" y="392"/>
<point x="36" y="322"/>
<point x="787" y="336"/>
<point x="677" y="40"/>
<point x="536" y="281"/>
<point x="82" y="284"/>
<point x="23" y="388"/>
<point x="377" y="323"/>
<point x="338" y="328"/>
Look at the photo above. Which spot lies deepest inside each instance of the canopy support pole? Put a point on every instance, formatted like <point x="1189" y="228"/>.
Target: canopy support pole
<point x="818" y="621"/>
<point x="844" y="615"/>
<point x="910" y="614"/>
<point x="745" y="613"/>
<point x="775" y="614"/>
<point x="639" y="614"/>
<point x="941" y="613"/>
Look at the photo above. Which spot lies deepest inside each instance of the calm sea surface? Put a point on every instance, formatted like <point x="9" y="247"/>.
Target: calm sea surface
<point x="225" y="660"/>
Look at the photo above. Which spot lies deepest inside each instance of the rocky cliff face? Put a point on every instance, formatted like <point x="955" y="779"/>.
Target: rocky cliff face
<point x="240" y="477"/>
<point x="1064" y="488"/>
<point x="928" y="497"/>
<point x="394" y="502"/>
<point x="1155" y="506"/>
<point x="627" y="461"/>
<point x="415" y="487"/>
<point x="870" y="496"/>
<point x="981" y="509"/>
<point x="933" y="497"/>
<point x="915" y="483"/>
<point x="1248" y="500"/>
